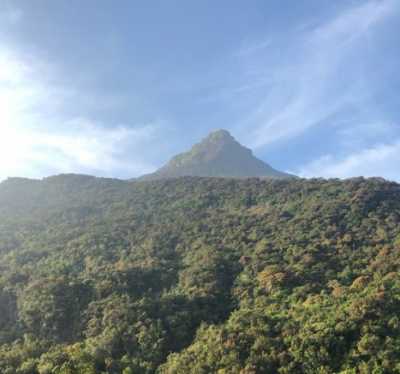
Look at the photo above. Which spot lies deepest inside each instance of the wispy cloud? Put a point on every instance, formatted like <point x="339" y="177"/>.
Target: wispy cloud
<point x="380" y="160"/>
<point x="368" y="149"/>
<point x="355" y="22"/>
<point x="36" y="139"/>
<point x="317" y="75"/>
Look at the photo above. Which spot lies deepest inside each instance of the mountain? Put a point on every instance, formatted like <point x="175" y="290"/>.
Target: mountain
<point x="218" y="155"/>
<point x="199" y="275"/>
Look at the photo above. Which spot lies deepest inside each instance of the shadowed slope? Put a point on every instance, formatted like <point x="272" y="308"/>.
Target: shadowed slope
<point x="218" y="155"/>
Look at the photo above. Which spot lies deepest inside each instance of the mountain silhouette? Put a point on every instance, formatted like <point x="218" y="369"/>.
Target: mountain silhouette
<point x="217" y="155"/>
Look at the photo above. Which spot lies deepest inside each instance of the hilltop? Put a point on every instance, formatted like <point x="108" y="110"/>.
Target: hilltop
<point x="217" y="155"/>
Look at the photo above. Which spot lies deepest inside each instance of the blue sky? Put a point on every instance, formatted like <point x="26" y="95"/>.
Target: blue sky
<point x="117" y="88"/>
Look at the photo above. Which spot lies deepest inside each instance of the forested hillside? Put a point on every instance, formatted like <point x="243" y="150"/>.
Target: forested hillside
<point x="199" y="275"/>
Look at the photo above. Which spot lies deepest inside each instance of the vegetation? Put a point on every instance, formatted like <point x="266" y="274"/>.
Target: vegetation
<point x="217" y="155"/>
<point x="199" y="275"/>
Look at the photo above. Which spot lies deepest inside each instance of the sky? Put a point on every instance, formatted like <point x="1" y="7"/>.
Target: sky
<point x="116" y="88"/>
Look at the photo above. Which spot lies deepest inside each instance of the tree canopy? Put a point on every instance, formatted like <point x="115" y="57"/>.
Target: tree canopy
<point x="199" y="275"/>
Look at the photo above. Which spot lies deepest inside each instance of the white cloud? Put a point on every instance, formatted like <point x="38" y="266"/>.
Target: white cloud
<point x="314" y="79"/>
<point x="12" y="71"/>
<point x="77" y="146"/>
<point x="356" y="22"/>
<point x="35" y="139"/>
<point x="382" y="157"/>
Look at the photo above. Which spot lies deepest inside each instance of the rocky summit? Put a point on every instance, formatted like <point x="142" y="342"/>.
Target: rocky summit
<point x="217" y="155"/>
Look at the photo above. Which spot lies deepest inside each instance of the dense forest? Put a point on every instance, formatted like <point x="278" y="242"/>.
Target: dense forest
<point x="199" y="275"/>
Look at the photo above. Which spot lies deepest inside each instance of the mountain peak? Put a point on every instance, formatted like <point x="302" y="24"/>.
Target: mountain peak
<point x="220" y="135"/>
<point x="217" y="155"/>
